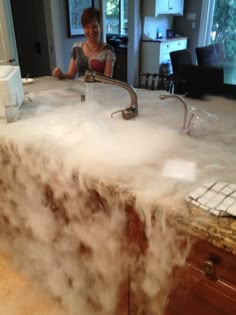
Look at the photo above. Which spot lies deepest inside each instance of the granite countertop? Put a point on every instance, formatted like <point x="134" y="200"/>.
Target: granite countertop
<point x="90" y="203"/>
<point x="218" y="231"/>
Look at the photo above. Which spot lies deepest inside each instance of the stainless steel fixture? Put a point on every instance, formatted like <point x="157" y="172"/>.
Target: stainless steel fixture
<point x="128" y="113"/>
<point x="187" y="120"/>
<point x="196" y="121"/>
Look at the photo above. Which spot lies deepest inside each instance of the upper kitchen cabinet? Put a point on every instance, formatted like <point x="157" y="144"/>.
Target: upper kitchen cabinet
<point x="156" y="7"/>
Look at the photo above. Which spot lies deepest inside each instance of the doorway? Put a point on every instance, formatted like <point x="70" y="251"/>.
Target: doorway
<point x="31" y="37"/>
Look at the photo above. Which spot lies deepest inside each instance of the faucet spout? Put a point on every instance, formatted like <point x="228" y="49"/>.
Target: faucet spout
<point x="180" y="98"/>
<point x="128" y="113"/>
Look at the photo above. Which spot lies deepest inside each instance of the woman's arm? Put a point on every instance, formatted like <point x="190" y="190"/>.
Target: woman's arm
<point x="70" y="74"/>
<point x="108" y="70"/>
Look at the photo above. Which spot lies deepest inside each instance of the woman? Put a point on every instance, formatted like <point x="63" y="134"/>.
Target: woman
<point x="92" y="54"/>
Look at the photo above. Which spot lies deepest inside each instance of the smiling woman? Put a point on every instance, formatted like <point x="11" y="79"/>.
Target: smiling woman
<point x="93" y="53"/>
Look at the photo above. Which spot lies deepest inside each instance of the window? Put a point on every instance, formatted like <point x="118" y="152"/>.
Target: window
<point x="116" y="12"/>
<point x="223" y="26"/>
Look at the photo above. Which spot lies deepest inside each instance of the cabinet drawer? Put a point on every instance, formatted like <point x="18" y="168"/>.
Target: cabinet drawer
<point x="214" y="262"/>
<point x="167" y="47"/>
<point x="180" y="44"/>
<point x="173" y="46"/>
<point x="195" y="292"/>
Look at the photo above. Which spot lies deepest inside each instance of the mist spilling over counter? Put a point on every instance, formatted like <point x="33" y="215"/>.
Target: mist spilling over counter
<point x="94" y="209"/>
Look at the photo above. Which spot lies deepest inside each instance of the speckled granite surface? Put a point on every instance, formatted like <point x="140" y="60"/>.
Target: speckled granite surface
<point x="218" y="231"/>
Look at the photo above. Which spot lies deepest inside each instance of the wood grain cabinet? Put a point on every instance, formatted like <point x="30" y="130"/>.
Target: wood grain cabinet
<point x="206" y="285"/>
<point x="156" y="7"/>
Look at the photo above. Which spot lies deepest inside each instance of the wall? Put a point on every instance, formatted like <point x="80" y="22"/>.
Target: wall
<point x="189" y="24"/>
<point x="152" y="24"/>
<point x="66" y="42"/>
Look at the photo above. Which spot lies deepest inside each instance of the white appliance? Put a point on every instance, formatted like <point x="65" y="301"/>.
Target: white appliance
<point x="11" y="87"/>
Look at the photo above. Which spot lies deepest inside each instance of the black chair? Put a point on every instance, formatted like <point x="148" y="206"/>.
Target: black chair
<point x="194" y="80"/>
<point x="212" y="55"/>
<point x="178" y="59"/>
<point x="202" y="80"/>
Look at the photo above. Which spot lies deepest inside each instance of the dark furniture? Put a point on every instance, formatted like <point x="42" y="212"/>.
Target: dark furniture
<point x="119" y="43"/>
<point x="194" y="80"/>
<point x="120" y="66"/>
<point x="178" y="60"/>
<point x="202" y="80"/>
<point x="206" y="284"/>
<point x="212" y="55"/>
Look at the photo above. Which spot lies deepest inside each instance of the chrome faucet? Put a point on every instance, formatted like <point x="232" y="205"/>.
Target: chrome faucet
<point x="187" y="120"/>
<point x="128" y="113"/>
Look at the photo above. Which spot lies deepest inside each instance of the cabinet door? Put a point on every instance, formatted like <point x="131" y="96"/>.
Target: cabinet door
<point x="162" y="7"/>
<point x="169" y="7"/>
<point x="177" y="6"/>
<point x="195" y="292"/>
<point x="206" y="285"/>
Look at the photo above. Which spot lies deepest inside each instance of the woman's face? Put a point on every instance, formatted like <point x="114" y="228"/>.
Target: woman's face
<point x="92" y="30"/>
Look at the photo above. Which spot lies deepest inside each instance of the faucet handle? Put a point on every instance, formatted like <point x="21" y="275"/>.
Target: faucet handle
<point x="89" y="76"/>
<point x="128" y="113"/>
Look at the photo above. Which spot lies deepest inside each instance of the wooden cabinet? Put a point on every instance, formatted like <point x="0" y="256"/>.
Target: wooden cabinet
<point x="156" y="53"/>
<point x="155" y="7"/>
<point x="206" y="285"/>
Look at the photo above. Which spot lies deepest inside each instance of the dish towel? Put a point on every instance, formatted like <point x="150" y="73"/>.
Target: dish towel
<point x="219" y="198"/>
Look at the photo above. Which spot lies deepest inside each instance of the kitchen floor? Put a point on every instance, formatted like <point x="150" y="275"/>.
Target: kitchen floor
<point x="18" y="296"/>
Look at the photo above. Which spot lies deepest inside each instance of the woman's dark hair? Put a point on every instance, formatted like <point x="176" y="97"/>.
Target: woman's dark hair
<point x="88" y="15"/>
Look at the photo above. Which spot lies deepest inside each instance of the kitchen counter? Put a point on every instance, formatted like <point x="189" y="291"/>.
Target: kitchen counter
<point x="72" y="175"/>
<point x="165" y="39"/>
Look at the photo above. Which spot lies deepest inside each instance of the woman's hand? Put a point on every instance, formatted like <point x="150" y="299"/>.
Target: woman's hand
<point x="58" y="73"/>
<point x="70" y="74"/>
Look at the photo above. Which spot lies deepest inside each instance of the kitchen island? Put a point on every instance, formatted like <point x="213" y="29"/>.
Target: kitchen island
<point x="90" y="208"/>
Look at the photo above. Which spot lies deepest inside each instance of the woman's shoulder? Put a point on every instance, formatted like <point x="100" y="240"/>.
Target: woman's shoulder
<point x="77" y="45"/>
<point x="108" y="47"/>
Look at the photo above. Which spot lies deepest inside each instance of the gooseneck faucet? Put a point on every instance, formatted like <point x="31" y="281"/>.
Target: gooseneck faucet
<point x="128" y="113"/>
<point x="186" y="121"/>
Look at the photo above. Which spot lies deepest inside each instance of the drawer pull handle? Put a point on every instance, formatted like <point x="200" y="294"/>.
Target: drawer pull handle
<point x="209" y="267"/>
